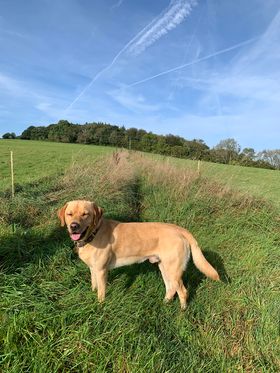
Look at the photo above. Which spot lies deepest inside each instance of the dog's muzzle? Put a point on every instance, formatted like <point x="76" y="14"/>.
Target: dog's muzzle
<point x="75" y="234"/>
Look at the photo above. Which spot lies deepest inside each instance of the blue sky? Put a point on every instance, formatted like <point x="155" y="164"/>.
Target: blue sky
<point x="206" y="69"/>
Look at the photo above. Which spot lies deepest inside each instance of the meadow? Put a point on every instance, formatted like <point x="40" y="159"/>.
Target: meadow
<point x="259" y="182"/>
<point x="52" y="322"/>
<point x="36" y="159"/>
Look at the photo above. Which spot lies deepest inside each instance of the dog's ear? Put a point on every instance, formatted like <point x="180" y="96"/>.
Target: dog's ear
<point x="97" y="213"/>
<point x="61" y="214"/>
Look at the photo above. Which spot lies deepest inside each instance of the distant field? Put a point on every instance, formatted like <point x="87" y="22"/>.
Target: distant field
<point x="258" y="182"/>
<point x="36" y="159"/>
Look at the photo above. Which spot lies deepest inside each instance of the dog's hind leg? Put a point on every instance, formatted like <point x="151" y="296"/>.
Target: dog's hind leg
<point x="176" y="285"/>
<point x="183" y="294"/>
<point x="170" y="285"/>
<point x="172" y="273"/>
<point x="164" y="277"/>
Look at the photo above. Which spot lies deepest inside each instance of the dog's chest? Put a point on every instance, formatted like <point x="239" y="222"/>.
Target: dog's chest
<point x="86" y="254"/>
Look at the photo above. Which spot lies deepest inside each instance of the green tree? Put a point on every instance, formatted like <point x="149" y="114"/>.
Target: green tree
<point x="179" y="151"/>
<point x="63" y="131"/>
<point x="26" y="134"/>
<point x="162" y="147"/>
<point x="9" y="135"/>
<point x="172" y="140"/>
<point x="149" y="142"/>
<point x="114" y="138"/>
<point x="197" y="149"/>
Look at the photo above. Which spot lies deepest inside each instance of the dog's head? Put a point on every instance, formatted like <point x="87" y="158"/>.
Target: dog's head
<point x="80" y="217"/>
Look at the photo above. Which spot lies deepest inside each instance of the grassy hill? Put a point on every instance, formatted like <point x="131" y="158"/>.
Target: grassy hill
<point x="52" y="322"/>
<point x="36" y="159"/>
<point x="255" y="181"/>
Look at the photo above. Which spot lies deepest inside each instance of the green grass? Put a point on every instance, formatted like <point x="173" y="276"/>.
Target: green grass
<point x="52" y="322"/>
<point x="36" y="159"/>
<point x="259" y="182"/>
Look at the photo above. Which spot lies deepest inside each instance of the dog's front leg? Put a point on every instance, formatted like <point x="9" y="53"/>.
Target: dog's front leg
<point x="101" y="278"/>
<point x="93" y="279"/>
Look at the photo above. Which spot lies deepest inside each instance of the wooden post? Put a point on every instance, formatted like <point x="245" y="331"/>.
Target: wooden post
<point x="12" y="174"/>
<point x="198" y="167"/>
<point x="13" y="186"/>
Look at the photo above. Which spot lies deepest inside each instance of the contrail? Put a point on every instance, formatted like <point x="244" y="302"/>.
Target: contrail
<point x="221" y="51"/>
<point x="168" y="19"/>
<point x="117" y="4"/>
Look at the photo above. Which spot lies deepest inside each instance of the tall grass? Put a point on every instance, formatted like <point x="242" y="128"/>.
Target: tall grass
<point x="52" y="322"/>
<point x="105" y="180"/>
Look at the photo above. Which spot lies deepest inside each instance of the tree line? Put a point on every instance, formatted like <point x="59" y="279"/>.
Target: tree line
<point x="227" y="151"/>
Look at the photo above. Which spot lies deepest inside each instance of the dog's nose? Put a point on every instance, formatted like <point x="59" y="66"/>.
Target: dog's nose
<point x="74" y="226"/>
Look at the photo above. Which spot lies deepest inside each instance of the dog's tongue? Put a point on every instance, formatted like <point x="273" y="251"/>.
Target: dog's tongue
<point x="75" y="236"/>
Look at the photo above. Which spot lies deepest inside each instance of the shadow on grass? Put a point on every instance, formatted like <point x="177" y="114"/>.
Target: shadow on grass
<point x="132" y="272"/>
<point x="133" y="202"/>
<point x="217" y="261"/>
<point x="23" y="247"/>
<point x="192" y="276"/>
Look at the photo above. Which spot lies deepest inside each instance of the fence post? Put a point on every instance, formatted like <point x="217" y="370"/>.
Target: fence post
<point x="198" y="167"/>
<point x="12" y="174"/>
<point x="13" y="186"/>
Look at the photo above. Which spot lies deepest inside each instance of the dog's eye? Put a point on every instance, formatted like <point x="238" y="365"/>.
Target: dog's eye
<point x="69" y="214"/>
<point x="85" y="214"/>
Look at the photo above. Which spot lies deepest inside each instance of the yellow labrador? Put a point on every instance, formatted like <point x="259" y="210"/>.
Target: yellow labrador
<point x="106" y="244"/>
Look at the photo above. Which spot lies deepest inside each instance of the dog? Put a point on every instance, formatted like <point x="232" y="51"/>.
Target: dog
<point x="106" y="244"/>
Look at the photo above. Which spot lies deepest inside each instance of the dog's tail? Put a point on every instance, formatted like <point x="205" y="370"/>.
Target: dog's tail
<point x="198" y="258"/>
<point x="201" y="263"/>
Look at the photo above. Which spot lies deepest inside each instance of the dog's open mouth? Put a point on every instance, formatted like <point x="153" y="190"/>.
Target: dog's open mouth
<point x="77" y="236"/>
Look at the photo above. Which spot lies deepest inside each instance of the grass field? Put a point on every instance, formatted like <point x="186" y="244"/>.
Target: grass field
<point x="52" y="322"/>
<point x="259" y="182"/>
<point x="36" y="159"/>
